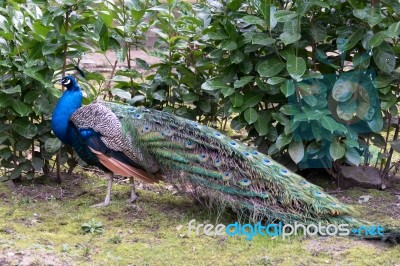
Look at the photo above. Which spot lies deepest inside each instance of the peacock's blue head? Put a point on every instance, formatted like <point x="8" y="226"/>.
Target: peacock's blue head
<point x="69" y="82"/>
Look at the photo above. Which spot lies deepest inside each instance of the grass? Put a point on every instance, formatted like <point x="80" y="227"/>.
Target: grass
<point x="39" y="227"/>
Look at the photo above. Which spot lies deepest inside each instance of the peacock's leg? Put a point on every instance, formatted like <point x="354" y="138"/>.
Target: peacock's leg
<point x="106" y="202"/>
<point x="133" y="196"/>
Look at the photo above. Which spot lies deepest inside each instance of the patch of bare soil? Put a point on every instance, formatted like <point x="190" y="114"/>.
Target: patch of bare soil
<point x="44" y="189"/>
<point x="31" y="257"/>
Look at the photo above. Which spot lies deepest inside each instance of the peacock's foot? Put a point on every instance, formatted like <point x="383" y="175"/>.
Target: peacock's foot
<point x="132" y="200"/>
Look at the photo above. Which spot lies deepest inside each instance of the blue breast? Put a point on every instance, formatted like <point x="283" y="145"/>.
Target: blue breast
<point x="66" y="131"/>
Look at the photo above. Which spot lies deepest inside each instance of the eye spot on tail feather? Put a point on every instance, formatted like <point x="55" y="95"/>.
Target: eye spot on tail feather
<point x="189" y="144"/>
<point x="267" y="162"/>
<point x="245" y="182"/>
<point x="226" y="176"/>
<point x="203" y="157"/>
<point x="217" y="162"/>
<point x="218" y="135"/>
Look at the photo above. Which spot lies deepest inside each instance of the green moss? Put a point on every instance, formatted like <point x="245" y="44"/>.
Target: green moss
<point x="155" y="232"/>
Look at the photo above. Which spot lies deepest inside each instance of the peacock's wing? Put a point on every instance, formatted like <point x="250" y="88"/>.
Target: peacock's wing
<point x="101" y="131"/>
<point x="206" y="162"/>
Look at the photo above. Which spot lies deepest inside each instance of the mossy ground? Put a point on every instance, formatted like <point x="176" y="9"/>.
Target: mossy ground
<point x="41" y="224"/>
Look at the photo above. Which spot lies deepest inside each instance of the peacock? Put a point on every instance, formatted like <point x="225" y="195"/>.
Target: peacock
<point x="153" y="145"/>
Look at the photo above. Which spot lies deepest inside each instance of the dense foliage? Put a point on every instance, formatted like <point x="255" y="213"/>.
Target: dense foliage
<point x="313" y="81"/>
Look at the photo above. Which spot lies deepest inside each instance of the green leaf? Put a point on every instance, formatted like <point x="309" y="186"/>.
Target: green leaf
<point x="348" y="39"/>
<point x="21" y="108"/>
<point x="205" y="106"/>
<point x="24" y="128"/>
<point x="250" y="115"/>
<point x="237" y="99"/>
<point x="287" y="88"/>
<point x="346" y="110"/>
<point x="318" y="32"/>
<point x="383" y="81"/>
<point x="377" y="39"/>
<point x="238" y="123"/>
<point x="52" y="145"/>
<point x="361" y="61"/>
<point x="290" y="109"/>
<point x="394" y="30"/>
<point x="12" y="90"/>
<point x="353" y="156"/>
<point x="251" y="99"/>
<point x="38" y="28"/>
<point x="313" y="148"/>
<point x="261" y="125"/>
<point x="242" y="81"/>
<point x="16" y="173"/>
<point x="227" y="91"/>
<point x="104" y="41"/>
<point x="37" y="163"/>
<point x="283" y="140"/>
<point x="376" y="123"/>
<point x="296" y="66"/>
<point x="288" y="37"/>
<point x="275" y="80"/>
<point x="219" y="35"/>
<point x="343" y="89"/>
<point x="250" y="19"/>
<point x="236" y="57"/>
<point x="296" y="151"/>
<point x="34" y="74"/>
<point x="211" y="85"/>
<point x="329" y="123"/>
<point x="121" y="93"/>
<point x="5" y="100"/>
<point x="228" y="45"/>
<point x="107" y="17"/>
<point x="311" y="100"/>
<point x="374" y="17"/>
<point x="284" y="15"/>
<point x="262" y="39"/>
<point x="270" y="67"/>
<point x="384" y="57"/>
<point x="337" y="150"/>
<point x="190" y="97"/>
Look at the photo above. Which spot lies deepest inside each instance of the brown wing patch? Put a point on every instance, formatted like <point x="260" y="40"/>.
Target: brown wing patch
<point x="122" y="169"/>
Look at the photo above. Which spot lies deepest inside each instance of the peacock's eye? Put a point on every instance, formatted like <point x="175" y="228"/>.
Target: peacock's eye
<point x="218" y="135"/>
<point x="284" y="171"/>
<point x="319" y="194"/>
<point x="226" y="176"/>
<point x="245" y="182"/>
<point x="305" y="184"/>
<point x="189" y="144"/>
<point x="267" y="162"/>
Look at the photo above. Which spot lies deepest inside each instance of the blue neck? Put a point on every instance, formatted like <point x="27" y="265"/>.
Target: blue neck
<point x="69" y="102"/>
